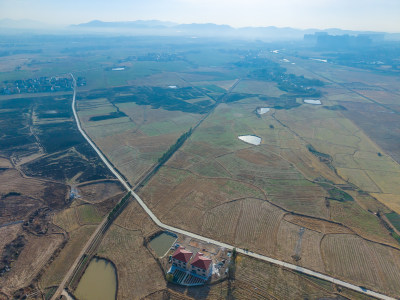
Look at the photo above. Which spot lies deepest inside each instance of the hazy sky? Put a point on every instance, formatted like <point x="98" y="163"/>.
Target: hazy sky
<point x="378" y="15"/>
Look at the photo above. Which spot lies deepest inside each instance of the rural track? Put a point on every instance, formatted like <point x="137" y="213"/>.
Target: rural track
<point x="194" y="235"/>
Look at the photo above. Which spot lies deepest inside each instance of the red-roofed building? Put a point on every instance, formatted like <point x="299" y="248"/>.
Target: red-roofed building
<point x="181" y="257"/>
<point x="201" y="265"/>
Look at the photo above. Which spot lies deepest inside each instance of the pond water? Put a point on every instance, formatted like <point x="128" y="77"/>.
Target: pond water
<point x="263" y="110"/>
<point x="318" y="59"/>
<point x="251" y="139"/>
<point x="99" y="282"/>
<point x="311" y="101"/>
<point x="162" y="243"/>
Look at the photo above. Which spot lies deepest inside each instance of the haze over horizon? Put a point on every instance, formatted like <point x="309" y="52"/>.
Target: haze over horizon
<point x="373" y="15"/>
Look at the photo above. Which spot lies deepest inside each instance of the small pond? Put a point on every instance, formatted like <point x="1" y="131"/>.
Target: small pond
<point x="312" y="101"/>
<point x="162" y="243"/>
<point x="263" y="110"/>
<point x="251" y="139"/>
<point x="99" y="282"/>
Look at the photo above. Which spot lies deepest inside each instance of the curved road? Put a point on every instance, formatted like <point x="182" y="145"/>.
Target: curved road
<point x="205" y="239"/>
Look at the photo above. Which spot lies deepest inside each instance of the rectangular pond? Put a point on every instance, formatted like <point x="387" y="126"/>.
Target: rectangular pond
<point x="162" y="243"/>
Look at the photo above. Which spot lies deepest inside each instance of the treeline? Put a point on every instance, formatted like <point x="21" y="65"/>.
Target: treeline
<point x="115" y="210"/>
<point x="113" y="115"/>
<point x="174" y="147"/>
<point x="272" y="71"/>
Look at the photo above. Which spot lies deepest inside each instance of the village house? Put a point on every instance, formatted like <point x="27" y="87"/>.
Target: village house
<point x="181" y="257"/>
<point x="187" y="267"/>
<point x="201" y="265"/>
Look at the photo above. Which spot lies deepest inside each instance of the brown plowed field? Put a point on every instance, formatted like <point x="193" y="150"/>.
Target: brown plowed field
<point x="358" y="260"/>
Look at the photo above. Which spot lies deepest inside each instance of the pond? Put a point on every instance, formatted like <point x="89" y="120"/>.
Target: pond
<point x="263" y="110"/>
<point x="99" y="282"/>
<point x="312" y="101"/>
<point x="162" y="243"/>
<point x="250" y="139"/>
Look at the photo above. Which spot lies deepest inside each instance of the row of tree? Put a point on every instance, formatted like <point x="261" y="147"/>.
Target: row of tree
<point x="115" y="210"/>
<point x="174" y="147"/>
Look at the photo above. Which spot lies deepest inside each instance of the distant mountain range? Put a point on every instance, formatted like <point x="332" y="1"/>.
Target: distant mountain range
<point x="155" y="27"/>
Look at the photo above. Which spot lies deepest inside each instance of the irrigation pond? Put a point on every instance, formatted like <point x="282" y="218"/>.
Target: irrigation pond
<point x="99" y="282"/>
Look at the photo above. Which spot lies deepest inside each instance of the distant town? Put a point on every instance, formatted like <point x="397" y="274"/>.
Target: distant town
<point x="40" y="85"/>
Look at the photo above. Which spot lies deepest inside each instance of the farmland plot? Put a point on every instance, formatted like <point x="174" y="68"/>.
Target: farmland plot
<point x="299" y="246"/>
<point x="357" y="260"/>
<point x="31" y="260"/>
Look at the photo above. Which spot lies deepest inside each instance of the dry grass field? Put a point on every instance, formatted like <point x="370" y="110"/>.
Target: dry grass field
<point x="312" y="193"/>
<point x="55" y="272"/>
<point x="31" y="260"/>
<point x="135" y="142"/>
<point x="138" y="272"/>
<point x="99" y="191"/>
<point x="259" y="280"/>
<point x="356" y="157"/>
<point x="258" y="88"/>
<point x="268" y="181"/>
<point x="351" y="257"/>
<point x="136" y="267"/>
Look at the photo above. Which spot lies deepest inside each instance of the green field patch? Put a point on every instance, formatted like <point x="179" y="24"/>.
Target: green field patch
<point x="336" y="137"/>
<point x="360" y="178"/>
<point x="372" y="161"/>
<point x="394" y="218"/>
<point x="258" y="87"/>
<point x="96" y="111"/>
<point x="109" y="127"/>
<point x="287" y="182"/>
<point x="166" y="98"/>
<point x="160" y="128"/>
<point x="209" y="87"/>
<point x="345" y="161"/>
<point x="335" y="193"/>
<point x="389" y="182"/>
<point x="88" y="214"/>
<point x="217" y="136"/>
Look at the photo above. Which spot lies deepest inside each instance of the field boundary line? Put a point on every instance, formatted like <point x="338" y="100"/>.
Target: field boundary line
<point x="205" y="239"/>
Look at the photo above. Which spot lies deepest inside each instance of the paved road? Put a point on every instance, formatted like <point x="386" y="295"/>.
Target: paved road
<point x="205" y="239"/>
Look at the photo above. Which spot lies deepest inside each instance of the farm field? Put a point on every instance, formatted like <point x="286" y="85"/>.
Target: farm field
<point x="321" y="190"/>
<point x="123" y="245"/>
<point x="143" y="133"/>
<point x="253" y="279"/>
<point x="241" y="194"/>
<point x="44" y="162"/>
<point x="355" y="156"/>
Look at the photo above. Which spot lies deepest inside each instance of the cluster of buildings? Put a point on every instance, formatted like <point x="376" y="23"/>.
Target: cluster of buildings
<point x="40" y="85"/>
<point x="190" y="269"/>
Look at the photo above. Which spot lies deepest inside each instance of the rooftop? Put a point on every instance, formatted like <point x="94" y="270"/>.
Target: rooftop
<point x="182" y="254"/>
<point x="201" y="261"/>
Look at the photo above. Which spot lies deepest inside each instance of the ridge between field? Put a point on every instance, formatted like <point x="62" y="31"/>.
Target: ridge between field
<point x="202" y="238"/>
